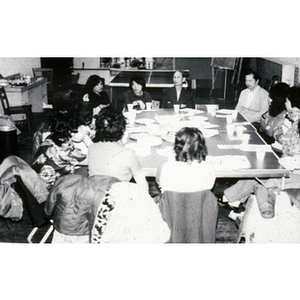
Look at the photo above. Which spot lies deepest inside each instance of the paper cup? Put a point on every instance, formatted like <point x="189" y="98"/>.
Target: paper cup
<point x="239" y="130"/>
<point x="149" y="105"/>
<point x="229" y="119"/>
<point x="260" y="154"/>
<point x="212" y="109"/>
<point x="131" y="117"/>
<point x="130" y="107"/>
<point x="234" y="114"/>
<point x="230" y="129"/>
<point x="245" y="139"/>
<point x="176" y="108"/>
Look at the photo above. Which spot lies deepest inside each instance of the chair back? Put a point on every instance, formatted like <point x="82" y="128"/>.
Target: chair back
<point x="192" y="217"/>
<point x="46" y="73"/>
<point x="4" y="101"/>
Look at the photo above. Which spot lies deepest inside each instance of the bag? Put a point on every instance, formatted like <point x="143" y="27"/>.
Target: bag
<point x="11" y="205"/>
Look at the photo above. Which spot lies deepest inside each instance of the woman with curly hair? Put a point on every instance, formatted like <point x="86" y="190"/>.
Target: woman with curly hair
<point x="108" y="155"/>
<point x="189" y="172"/>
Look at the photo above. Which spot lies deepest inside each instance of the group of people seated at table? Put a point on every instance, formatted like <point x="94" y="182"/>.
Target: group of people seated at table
<point x="276" y="117"/>
<point x="91" y="129"/>
<point x="170" y="96"/>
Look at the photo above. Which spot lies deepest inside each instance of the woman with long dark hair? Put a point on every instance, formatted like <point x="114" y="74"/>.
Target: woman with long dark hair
<point x="95" y="94"/>
<point x="274" y="117"/>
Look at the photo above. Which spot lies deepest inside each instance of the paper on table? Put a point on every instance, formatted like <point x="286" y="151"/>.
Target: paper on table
<point x="208" y="125"/>
<point x="209" y="132"/>
<point x="225" y="111"/>
<point x="190" y="111"/>
<point x="254" y="148"/>
<point x="168" y="151"/>
<point x="241" y="123"/>
<point x="168" y="119"/>
<point x="229" y="162"/>
<point x="135" y="129"/>
<point x="229" y="146"/>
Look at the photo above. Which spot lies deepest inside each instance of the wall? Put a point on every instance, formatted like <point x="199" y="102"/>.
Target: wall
<point x="290" y="68"/>
<point x="200" y="68"/>
<point x="89" y="62"/>
<point x="13" y="65"/>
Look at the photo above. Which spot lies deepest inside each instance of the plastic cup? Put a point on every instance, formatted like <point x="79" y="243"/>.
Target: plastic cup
<point x="260" y="154"/>
<point x="130" y="107"/>
<point x="149" y="105"/>
<point x="229" y="119"/>
<point x="230" y="129"/>
<point x="176" y="108"/>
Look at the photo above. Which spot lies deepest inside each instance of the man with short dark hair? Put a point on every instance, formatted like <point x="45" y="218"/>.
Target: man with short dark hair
<point x="253" y="101"/>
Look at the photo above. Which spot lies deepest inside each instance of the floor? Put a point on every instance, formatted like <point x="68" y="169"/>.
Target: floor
<point x="17" y="232"/>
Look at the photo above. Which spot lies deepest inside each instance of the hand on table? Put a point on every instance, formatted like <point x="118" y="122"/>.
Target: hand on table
<point x="140" y="103"/>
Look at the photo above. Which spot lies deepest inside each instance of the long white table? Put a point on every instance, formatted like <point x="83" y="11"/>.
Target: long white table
<point x="267" y="168"/>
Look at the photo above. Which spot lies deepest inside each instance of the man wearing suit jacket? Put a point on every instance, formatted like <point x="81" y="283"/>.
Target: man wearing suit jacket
<point x="177" y="94"/>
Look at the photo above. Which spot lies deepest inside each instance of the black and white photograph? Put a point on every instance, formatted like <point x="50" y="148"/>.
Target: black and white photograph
<point x="146" y="142"/>
<point x="202" y="149"/>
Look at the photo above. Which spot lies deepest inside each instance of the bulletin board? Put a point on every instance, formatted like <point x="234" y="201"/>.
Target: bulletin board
<point x="223" y="62"/>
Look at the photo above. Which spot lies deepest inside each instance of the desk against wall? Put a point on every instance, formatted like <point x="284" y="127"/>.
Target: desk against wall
<point x="34" y="93"/>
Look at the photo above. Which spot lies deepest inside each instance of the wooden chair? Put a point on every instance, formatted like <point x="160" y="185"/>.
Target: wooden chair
<point x="14" y="110"/>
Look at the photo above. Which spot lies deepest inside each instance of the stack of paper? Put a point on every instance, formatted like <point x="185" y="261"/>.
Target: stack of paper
<point x="229" y="162"/>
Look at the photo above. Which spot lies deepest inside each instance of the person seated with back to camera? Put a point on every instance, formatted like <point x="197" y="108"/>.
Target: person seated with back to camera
<point x="95" y="94"/>
<point x="189" y="172"/>
<point x="253" y="101"/>
<point x="273" y="119"/>
<point x="108" y="155"/>
<point x="178" y="94"/>
<point x="186" y="202"/>
<point x="137" y="94"/>
<point x="56" y="155"/>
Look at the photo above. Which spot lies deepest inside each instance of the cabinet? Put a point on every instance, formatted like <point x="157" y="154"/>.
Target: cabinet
<point x="34" y="93"/>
